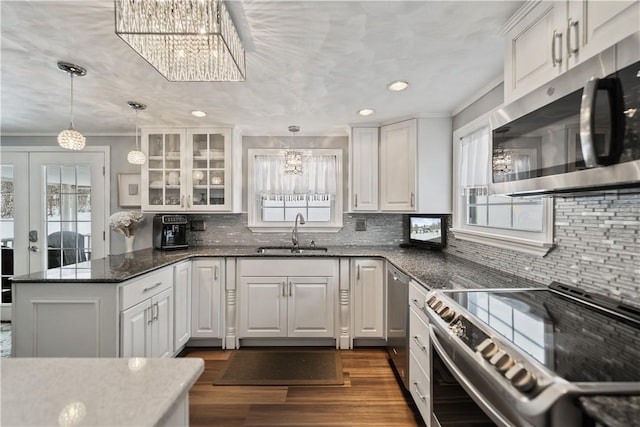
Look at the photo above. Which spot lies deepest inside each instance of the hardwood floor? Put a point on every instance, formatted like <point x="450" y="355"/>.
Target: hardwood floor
<point x="370" y="396"/>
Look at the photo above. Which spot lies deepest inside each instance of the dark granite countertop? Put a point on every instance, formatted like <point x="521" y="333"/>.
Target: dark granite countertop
<point x="431" y="269"/>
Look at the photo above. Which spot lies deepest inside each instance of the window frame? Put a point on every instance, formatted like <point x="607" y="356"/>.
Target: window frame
<point x="530" y="242"/>
<point x="255" y="224"/>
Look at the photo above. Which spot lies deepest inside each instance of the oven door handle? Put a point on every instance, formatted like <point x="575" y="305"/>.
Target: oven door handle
<point x="486" y="406"/>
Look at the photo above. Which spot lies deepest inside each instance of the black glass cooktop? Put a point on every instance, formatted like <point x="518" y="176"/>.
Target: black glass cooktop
<point x="578" y="342"/>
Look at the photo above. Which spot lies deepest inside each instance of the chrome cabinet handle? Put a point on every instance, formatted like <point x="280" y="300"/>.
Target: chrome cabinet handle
<point x="358" y="273"/>
<point x="290" y="288"/>
<point x="150" y="310"/>
<point x="572" y="25"/>
<point x="151" y="287"/>
<point x="419" y="393"/>
<point x="189" y="201"/>
<point x="417" y="303"/>
<point x="182" y="201"/>
<point x="215" y="272"/>
<point x="283" y="289"/>
<point x="157" y="312"/>
<point x="412" y="200"/>
<point x="555" y="60"/>
<point x="419" y="343"/>
<point x="356" y="200"/>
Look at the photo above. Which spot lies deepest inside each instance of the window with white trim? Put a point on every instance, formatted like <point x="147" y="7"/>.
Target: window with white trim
<point x="276" y="197"/>
<point x="522" y="224"/>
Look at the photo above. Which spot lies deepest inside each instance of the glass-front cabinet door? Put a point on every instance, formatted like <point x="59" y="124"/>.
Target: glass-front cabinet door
<point x="162" y="175"/>
<point x="186" y="170"/>
<point x="209" y="181"/>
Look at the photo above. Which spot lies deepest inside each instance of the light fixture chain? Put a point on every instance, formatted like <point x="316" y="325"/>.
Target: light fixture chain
<point x="71" y="107"/>
<point x="136" y="136"/>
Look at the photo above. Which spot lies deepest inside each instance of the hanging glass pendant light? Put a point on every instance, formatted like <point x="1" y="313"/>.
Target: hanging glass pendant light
<point x="136" y="157"/>
<point x="293" y="158"/>
<point x="70" y="138"/>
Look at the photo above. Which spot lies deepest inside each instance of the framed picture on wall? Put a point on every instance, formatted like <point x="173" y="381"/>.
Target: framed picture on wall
<point x="129" y="190"/>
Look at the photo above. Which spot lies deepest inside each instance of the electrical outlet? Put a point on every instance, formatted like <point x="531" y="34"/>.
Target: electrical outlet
<point x="198" y="225"/>
<point x="361" y="224"/>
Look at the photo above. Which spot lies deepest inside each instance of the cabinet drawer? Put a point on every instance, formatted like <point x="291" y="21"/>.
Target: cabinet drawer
<point x="420" y="388"/>
<point x="417" y="295"/>
<point x="419" y="339"/>
<point x="150" y="284"/>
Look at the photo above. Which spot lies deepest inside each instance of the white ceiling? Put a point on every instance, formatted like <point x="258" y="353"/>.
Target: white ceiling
<point x="310" y="63"/>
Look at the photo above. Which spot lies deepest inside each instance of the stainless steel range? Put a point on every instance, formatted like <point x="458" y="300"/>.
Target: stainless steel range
<point x="525" y="355"/>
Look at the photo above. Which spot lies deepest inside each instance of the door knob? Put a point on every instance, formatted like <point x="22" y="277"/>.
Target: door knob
<point x="33" y="249"/>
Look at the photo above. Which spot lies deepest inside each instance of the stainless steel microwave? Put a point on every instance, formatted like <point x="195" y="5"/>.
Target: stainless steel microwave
<point x="578" y="132"/>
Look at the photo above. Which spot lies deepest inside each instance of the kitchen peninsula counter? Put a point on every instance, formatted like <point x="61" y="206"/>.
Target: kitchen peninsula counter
<point x="430" y="268"/>
<point x="97" y="391"/>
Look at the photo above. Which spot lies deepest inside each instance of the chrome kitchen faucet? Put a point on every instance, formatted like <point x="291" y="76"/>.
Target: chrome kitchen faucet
<point x="294" y="233"/>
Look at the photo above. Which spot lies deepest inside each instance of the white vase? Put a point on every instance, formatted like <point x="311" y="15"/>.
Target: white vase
<point x="128" y="243"/>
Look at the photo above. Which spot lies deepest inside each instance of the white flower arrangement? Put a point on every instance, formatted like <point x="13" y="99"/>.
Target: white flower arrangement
<point x="126" y="222"/>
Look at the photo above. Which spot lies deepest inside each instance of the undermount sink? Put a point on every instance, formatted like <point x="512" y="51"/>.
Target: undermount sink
<point x="288" y="250"/>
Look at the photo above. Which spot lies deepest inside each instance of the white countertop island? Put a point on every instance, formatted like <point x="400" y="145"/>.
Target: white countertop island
<point x="96" y="391"/>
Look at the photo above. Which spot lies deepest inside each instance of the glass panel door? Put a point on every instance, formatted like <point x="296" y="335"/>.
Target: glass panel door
<point x="14" y="180"/>
<point x="68" y="214"/>
<point x="67" y="209"/>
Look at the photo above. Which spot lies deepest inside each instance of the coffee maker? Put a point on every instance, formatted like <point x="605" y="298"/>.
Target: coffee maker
<point x="170" y="232"/>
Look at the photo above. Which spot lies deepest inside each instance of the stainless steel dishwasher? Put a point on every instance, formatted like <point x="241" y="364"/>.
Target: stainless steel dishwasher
<point x="398" y="321"/>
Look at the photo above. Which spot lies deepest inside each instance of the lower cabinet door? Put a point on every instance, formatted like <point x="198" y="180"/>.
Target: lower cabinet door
<point x="135" y="336"/>
<point x="262" y="307"/>
<point x="162" y="324"/>
<point x="310" y="306"/>
<point x="181" y="304"/>
<point x="206" y="298"/>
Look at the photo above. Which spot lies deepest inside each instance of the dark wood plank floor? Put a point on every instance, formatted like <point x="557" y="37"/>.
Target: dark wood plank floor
<point x="370" y="396"/>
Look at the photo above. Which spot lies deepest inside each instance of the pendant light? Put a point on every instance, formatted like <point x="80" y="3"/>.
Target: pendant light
<point x="136" y="157"/>
<point x="70" y="138"/>
<point x="293" y="158"/>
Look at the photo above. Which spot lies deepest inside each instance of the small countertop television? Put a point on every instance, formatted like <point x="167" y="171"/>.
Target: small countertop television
<point x="427" y="231"/>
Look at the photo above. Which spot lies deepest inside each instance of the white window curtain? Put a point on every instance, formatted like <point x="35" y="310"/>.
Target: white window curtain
<point x="474" y="162"/>
<point x="318" y="176"/>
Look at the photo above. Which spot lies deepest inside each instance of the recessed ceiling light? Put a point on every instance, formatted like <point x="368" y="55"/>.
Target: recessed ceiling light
<point x="398" y="85"/>
<point x="199" y="113"/>
<point x="366" y="112"/>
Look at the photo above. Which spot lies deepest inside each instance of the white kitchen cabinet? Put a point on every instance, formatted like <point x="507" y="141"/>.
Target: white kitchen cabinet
<point x="181" y="304"/>
<point x="368" y="298"/>
<point x="398" y="155"/>
<point x="364" y="169"/>
<point x="419" y="352"/>
<point x="287" y="298"/>
<point x="186" y="170"/>
<point x="416" y="165"/>
<point x="206" y="298"/>
<point x="146" y="319"/>
<point x="545" y="39"/>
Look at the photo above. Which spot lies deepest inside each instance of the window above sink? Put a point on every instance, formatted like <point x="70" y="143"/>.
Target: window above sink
<point x="275" y="198"/>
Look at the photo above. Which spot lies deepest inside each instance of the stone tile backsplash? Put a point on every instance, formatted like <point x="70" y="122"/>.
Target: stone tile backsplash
<point x="597" y="248"/>
<point x="597" y="242"/>
<point x="231" y="229"/>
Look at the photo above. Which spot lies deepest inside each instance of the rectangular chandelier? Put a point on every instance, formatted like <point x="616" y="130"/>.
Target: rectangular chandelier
<point x="185" y="40"/>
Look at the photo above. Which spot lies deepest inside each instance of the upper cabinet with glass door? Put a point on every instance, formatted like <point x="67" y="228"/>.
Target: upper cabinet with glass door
<point x="187" y="170"/>
<point x="209" y="177"/>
